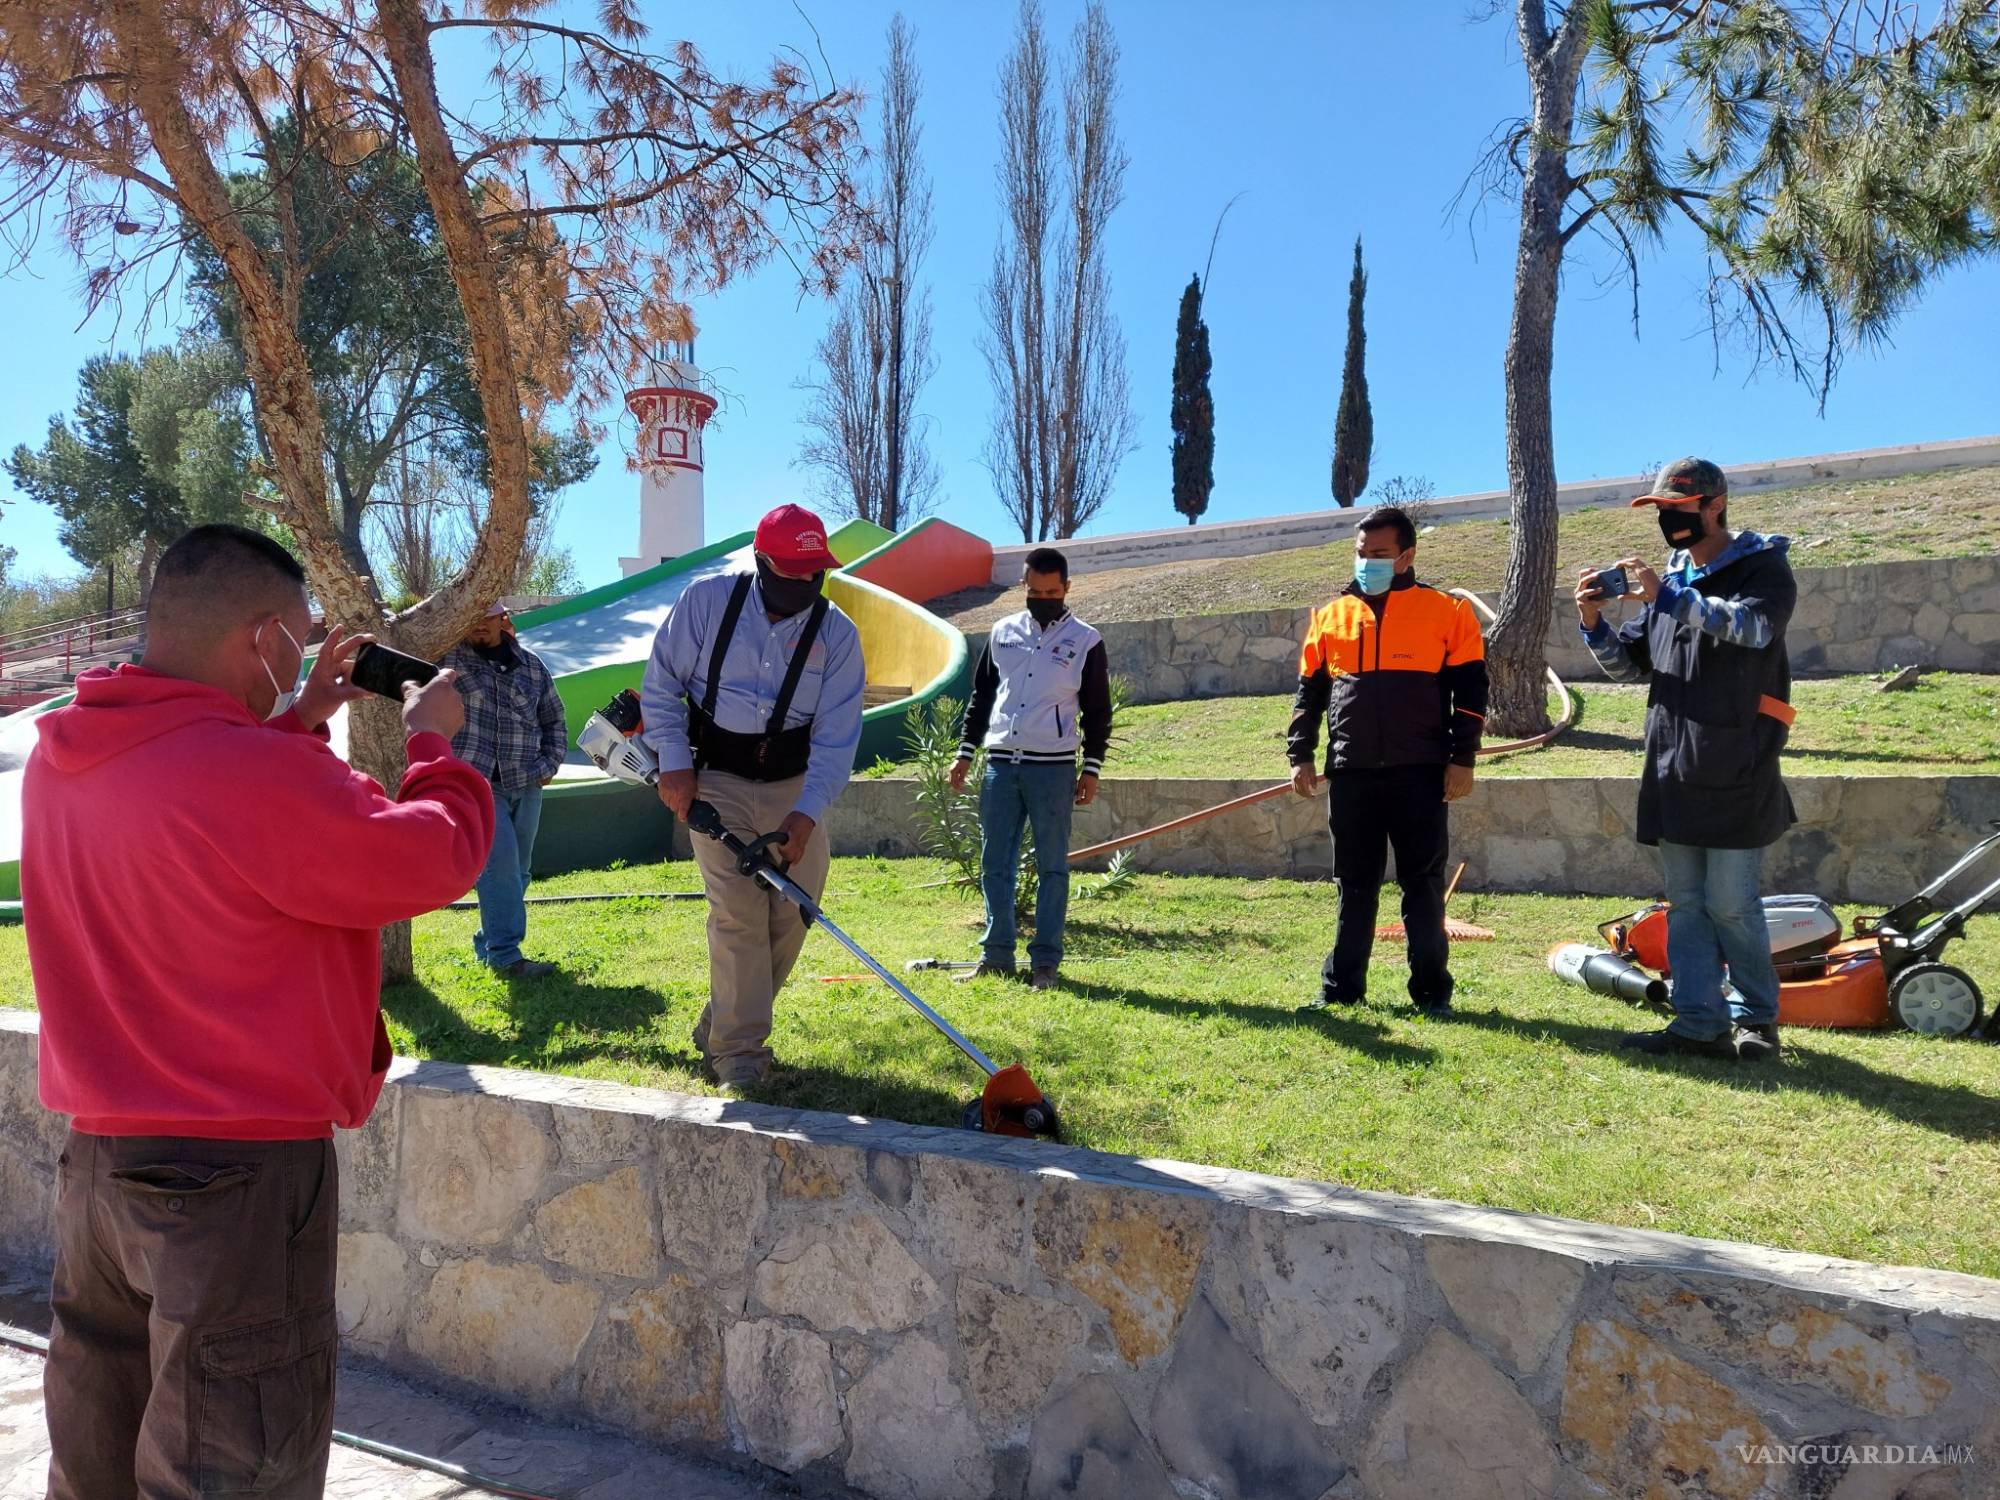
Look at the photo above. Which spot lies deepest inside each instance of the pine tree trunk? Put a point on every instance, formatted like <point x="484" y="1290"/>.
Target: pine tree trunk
<point x="1517" y="646"/>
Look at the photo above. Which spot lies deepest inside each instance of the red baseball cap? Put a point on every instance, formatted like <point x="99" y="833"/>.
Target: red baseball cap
<point x="793" y="537"/>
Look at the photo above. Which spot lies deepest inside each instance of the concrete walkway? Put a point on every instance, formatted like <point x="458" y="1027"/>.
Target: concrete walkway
<point x="491" y="1441"/>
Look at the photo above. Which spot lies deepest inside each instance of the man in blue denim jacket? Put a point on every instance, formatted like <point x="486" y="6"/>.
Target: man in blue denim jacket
<point x="514" y="733"/>
<point x="1710" y="643"/>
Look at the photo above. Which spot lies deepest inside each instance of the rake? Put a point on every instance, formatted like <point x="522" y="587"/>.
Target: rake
<point x="1454" y="930"/>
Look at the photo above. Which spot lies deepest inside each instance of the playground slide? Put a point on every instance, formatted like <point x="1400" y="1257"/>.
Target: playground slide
<point x="598" y="643"/>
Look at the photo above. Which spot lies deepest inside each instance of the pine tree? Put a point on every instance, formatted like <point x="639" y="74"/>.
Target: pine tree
<point x="1353" y="424"/>
<point x="1193" y="410"/>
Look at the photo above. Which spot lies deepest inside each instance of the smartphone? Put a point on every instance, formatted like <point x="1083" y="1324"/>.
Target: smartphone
<point x="383" y="671"/>
<point x="1612" y="583"/>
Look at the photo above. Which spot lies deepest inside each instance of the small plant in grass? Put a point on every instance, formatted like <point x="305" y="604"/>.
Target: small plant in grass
<point x="948" y="821"/>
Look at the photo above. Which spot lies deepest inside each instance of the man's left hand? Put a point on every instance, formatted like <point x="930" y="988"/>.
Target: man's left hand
<point x="796" y="828"/>
<point x="1086" y="789"/>
<point x="330" y="685"/>
<point x="1644" y="582"/>
<point x="1457" y="782"/>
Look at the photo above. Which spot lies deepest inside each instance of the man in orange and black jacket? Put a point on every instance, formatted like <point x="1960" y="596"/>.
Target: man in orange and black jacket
<point x="1397" y="670"/>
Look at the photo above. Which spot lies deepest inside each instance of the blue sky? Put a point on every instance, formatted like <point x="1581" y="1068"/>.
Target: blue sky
<point x="1331" y="118"/>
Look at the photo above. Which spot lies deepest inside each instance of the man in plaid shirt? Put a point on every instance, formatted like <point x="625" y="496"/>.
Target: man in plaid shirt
<point x="515" y="734"/>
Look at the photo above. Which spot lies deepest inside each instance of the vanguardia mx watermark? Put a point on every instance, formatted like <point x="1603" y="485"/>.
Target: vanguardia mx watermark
<point x="1849" y="1455"/>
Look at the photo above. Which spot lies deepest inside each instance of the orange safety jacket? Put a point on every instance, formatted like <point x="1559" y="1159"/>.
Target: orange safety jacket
<point x="1400" y="680"/>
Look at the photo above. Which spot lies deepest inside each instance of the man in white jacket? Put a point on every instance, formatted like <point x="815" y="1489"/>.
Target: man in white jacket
<point x="1042" y="691"/>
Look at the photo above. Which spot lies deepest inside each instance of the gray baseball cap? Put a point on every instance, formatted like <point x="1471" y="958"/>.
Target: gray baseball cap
<point x="1686" y="479"/>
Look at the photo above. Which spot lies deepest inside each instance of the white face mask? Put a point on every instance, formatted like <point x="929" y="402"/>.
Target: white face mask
<point x="284" y="699"/>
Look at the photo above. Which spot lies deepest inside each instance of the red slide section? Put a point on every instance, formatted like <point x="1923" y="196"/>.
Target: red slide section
<point x="931" y="559"/>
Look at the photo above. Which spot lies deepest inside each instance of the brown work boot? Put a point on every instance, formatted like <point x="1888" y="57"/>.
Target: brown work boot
<point x="1044" y="977"/>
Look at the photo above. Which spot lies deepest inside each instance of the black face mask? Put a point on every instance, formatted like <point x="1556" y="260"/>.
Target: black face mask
<point x="1047" y="611"/>
<point x="501" y="651"/>
<point x="785" y="597"/>
<point x="1682" y="528"/>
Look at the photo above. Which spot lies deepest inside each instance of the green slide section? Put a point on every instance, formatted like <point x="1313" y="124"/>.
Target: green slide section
<point x="855" y="540"/>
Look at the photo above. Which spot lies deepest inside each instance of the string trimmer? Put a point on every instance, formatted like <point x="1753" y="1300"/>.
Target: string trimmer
<point x="1010" y="1103"/>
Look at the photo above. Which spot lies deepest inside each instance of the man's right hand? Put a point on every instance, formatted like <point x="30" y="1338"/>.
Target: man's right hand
<point x="958" y="771"/>
<point x="1588" y="605"/>
<point x="677" y="791"/>
<point x="1305" y="780"/>
<point x="434" y="707"/>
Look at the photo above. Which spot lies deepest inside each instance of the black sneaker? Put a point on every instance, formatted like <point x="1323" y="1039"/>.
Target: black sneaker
<point x="1673" y="1043"/>
<point x="1442" y="1011"/>
<point x="1327" y="1001"/>
<point x="1759" y="1043"/>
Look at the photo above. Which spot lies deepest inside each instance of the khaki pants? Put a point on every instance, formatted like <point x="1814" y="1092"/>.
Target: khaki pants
<point x="754" y="934"/>
<point x="193" y="1346"/>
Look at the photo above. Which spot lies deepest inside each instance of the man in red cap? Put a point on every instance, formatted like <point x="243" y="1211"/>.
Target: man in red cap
<point x="1710" y="643"/>
<point x="752" y="702"/>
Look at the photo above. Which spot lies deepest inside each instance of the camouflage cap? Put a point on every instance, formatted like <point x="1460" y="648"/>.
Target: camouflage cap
<point x="1686" y="479"/>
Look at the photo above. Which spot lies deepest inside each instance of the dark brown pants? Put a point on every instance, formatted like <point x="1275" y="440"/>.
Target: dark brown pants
<point x="193" y="1346"/>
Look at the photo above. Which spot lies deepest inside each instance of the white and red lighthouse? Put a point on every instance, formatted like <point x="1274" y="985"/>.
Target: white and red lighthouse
<point x="672" y="410"/>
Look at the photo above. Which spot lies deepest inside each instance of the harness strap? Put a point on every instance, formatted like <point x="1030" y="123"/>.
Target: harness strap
<point x="737" y="597"/>
<point x="798" y="667"/>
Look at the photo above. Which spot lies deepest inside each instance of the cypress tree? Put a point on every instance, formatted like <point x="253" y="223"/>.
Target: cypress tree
<point x="1354" y="424"/>
<point x="1193" y="410"/>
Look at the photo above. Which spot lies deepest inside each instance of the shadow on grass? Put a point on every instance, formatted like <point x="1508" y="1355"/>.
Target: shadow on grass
<point x="1351" y="1028"/>
<point x="837" y="1091"/>
<point x="540" y="1009"/>
<point x="1959" y="1111"/>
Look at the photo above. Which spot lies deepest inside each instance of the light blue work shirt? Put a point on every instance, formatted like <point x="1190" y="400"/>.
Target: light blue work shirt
<point x="753" y="670"/>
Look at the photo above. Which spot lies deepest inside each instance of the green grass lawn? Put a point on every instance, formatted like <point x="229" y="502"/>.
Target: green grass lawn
<point x="1947" y="725"/>
<point x="1951" y="513"/>
<point x="1176" y="1038"/>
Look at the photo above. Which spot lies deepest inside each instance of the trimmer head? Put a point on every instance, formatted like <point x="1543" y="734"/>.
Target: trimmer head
<point x="1012" y="1105"/>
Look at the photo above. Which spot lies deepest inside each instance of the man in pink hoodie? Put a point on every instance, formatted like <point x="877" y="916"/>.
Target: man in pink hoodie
<point x="204" y="882"/>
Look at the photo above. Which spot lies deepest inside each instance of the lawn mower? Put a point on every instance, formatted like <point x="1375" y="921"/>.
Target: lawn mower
<point x="1889" y="971"/>
<point x="1010" y="1104"/>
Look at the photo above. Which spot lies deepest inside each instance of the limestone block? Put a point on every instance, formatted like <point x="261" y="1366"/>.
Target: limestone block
<point x="40" y="1132"/>
<point x="713" y="1195"/>
<point x="1878" y="808"/>
<point x="1984" y="600"/>
<point x="1522" y="864"/>
<point x="1640" y="1419"/>
<point x="1854" y="655"/>
<point x="507" y="1327"/>
<point x="1932" y="623"/>
<point x="1869" y="1363"/>
<point x="1335" y="1306"/>
<point x="367" y="1159"/>
<point x="1456" y="1427"/>
<point x="1978" y="630"/>
<point x="1968" y="573"/>
<point x="1086" y="1444"/>
<point x="1513" y="1298"/>
<point x="470" y="1163"/>
<point x="1815" y="612"/>
<point x="1272" y="648"/>
<point x="372" y="1290"/>
<point x="1222" y="1422"/>
<point x="1957" y="655"/>
<point x="1879" y="873"/>
<point x="1134" y="1254"/>
<point x="780" y="1383"/>
<point x="1015" y="1347"/>
<point x="815" y="1172"/>
<point x="1906" y="583"/>
<point x="592" y="1137"/>
<point x="854" y="1274"/>
<point x="604" y="1227"/>
<point x="657" y="1365"/>
<point x="913" y="1437"/>
<point x="1816" y="799"/>
<point x="27" y="1206"/>
<point x="1877" y="1480"/>
<point x="1888" y="619"/>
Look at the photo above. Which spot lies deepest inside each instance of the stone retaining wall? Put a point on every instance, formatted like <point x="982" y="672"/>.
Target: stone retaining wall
<point x="1134" y="549"/>
<point x="1865" y="839"/>
<point x="926" y="1314"/>
<point x="1943" y="612"/>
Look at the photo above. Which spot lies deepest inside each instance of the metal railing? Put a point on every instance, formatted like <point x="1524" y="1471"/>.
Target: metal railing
<point x="67" y="640"/>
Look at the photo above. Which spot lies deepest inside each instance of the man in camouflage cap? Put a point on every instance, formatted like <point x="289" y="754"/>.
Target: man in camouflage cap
<point x="1710" y="642"/>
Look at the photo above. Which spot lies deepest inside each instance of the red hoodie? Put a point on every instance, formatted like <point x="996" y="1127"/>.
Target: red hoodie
<point x="203" y="895"/>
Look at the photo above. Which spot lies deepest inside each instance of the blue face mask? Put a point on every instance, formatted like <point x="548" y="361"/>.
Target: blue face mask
<point x="1374" y="574"/>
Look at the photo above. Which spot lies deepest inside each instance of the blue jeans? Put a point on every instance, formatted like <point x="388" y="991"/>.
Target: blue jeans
<point x="503" y="915"/>
<point x="1041" y="796"/>
<point x="1717" y="922"/>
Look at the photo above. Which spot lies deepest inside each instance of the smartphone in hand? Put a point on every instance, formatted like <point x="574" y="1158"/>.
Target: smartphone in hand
<point x="1612" y="583"/>
<point x="383" y="671"/>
